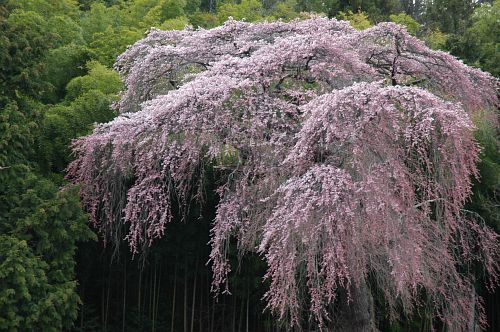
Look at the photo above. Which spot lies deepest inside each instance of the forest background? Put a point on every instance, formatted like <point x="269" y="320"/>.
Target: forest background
<point x="57" y="81"/>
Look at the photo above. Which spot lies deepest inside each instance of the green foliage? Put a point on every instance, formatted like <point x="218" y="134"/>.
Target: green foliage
<point x="92" y="107"/>
<point x="450" y="16"/>
<point x="192" y="6"/>
<point x="24" y="41"/>
<point x="485" y="199"/>
<point x="377" y="10"/>
<point x="177" y="23"/>
<point x="485" y="31"/>
<point x="359" y="20"/>
<point x="285" y="11"/>
<point x="407" y="21"/>
<point x="28" y="43"/>
<point x="57" y="129"/>
<point x="249" y="10"/>
<point x="203" y="19"/>
<point x="17" y="126"/>
<point x="48" y="8"/>
<point x="22" y="279"/>
<point x="67" y="30"/>
<point x="329" y="7"/>
<point x="143" y="14"/>
<point x="435" y="39"/>
<point x="172" y="8"/>
<point x="41" y="228"/>
<point x="61" y="65"/>
<point x="479" y="45"/>
<point x="99" y="78"/>
<point x="41" y="49"/>
<point x="134" y="11"/>
<point x="88" y="101"/>
<point x="112" y="42"/>
<point x="98" y="19"/>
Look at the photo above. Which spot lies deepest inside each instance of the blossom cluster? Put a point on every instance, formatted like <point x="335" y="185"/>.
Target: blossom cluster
<point x="342" y="154"/>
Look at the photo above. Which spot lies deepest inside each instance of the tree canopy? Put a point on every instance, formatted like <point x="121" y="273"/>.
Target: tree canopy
<point x="343" y="157"/>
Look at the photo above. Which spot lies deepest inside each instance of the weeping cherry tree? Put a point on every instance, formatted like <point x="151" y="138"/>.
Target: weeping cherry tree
<point x="343" y="157"/>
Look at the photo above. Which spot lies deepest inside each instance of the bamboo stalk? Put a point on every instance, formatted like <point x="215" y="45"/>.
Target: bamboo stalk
<point x="158" y="293"/>
<point x="124" y="295"/>
<point x="185" y="296"/>
<point x="173" y="297"/>
<point x="194" y="295"/>
<point x="248" y="304"/>
<point x="153" y="301"/>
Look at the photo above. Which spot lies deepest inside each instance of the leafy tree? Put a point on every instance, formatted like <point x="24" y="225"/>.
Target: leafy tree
<point x="22" y="278"/>
<point x="285" y="10"/>
<point x="203" y="19"/>
<point x="359" y="20"/>
<point x="378" y="10"/>
<point x="31" y="64"/>
<point x="67" y="30"/>
<point x="25" y="41"/>
<point x="485" y="27"/>
<point x="48" y="8"/>
<point x="98" y="19"/>
<point x="485" y="198"/>
<point x="40" y="231"/>
<point x="17" y="128"/>
<point x="172" y="8"/>
<point x="250" y="10"/>
<point x="99" y="77"/>
<point x="480" y="44"/>
<point x="435" y="39"/>
<point x="192" y="6"/>
<point x="450" y="16"/>
<point x="40" y="226"/>
<point x="107" y="45"/>
<point x="89" y="98"/>
<point x="329" y="7"/>
<point x="343" y="157"/>
<point x="414" y="8"/>
<point x="61" y="65"/>
<point x="407" y="21"/>
<point x="177" y="23"/>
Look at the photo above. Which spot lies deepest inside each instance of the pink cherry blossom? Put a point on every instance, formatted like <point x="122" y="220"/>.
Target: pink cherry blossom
<point x="341" y="154"/>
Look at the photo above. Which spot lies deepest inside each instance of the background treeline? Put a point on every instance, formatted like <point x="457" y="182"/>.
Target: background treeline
<point x="56" y="81"/>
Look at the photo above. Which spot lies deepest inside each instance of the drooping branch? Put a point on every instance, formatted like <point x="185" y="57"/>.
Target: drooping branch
<point x="342" y="154"/>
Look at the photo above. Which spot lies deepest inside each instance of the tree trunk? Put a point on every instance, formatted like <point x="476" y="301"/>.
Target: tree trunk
<point x="212" y="317"/>
<point x="248" y="305"/>
<point x="201" y="306"/>
<point x="242" y="307"/>
<point x="173" y="297"/>
<point x="103" y="305"/>
<point x="82" y="310"/>
<point x="357" y="315"/>
<point x="185" y="295"/>
<point x="193" y="303"/>
<point x="158" y="294"/>
<point x="124" y="294"/>
<point x="153" y="301"/>
<point x="223" y="312"/>
<point x="150" y="300"/>
<point x="106" y="316"/>
<point x="234" y="314"/>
